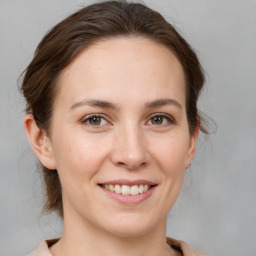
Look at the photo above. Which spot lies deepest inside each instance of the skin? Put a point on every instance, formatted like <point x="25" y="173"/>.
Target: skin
<point x="124" y="143"/>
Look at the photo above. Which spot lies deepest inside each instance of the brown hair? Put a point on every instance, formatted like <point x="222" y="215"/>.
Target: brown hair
<point x="67" y="39"/>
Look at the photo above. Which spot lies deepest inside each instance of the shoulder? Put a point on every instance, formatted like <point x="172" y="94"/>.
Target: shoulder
<point x="43" y="248"/>
<point x="184" y="248"/>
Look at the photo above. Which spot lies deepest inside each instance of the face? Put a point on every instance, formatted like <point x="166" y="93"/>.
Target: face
<point x="119" y="136"/>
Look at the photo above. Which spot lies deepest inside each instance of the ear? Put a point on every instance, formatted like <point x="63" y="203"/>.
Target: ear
<point x="192" y="147"/>
<point x="39" y="142"/>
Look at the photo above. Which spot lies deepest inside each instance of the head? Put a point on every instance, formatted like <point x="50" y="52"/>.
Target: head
<point x="89" y="28"/>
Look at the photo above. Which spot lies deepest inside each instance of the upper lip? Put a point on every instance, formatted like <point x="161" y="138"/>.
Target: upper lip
<point x="129" y="182"/>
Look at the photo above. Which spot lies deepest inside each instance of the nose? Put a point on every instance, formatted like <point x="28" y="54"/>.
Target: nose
<point x="129" y="149"/>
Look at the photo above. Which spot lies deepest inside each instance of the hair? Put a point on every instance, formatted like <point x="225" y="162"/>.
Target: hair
<point x="96" y="22"/>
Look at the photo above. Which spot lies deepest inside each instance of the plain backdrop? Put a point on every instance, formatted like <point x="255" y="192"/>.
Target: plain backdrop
<point x="216" y="211"/>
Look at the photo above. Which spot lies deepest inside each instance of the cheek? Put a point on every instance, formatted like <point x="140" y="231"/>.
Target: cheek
<point x="79" y="157"/>
<point x="171" y="152"/>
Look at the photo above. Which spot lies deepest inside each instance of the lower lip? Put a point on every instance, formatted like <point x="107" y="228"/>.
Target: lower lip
<point x="127" y="199"/>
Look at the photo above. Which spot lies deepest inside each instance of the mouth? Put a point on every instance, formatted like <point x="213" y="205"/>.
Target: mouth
<point x="127" y="190"/>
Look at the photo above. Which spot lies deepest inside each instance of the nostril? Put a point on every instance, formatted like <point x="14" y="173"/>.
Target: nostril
<point x="129" y="157"/>
<point x="131" y="166"/>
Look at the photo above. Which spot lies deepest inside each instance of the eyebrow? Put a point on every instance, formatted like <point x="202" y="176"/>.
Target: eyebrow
<point x="106" y="104"/>
<point x="94" y="103"/>
<point x="163" y="102"/>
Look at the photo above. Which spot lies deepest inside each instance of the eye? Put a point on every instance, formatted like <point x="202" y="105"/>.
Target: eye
<point x="94" y="120"/>
<point x="161" y="120"/>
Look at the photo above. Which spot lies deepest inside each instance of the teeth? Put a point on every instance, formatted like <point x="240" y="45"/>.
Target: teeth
<point x="118" y="189"/>
<point x="111" y="187"/>
<point x="134" y="190"/>
<point x="127" y="190"/>
<point x="141" y="189"/>
<point x="145" y="188"/>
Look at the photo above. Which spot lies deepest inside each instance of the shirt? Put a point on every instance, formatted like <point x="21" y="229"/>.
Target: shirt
<point x="183" y="247"/>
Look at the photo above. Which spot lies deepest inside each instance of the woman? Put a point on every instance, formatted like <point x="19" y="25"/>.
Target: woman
<point x="112" y="116"/>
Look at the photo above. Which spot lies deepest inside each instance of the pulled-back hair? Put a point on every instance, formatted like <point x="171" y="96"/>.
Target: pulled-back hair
<point x="108" y="19"/>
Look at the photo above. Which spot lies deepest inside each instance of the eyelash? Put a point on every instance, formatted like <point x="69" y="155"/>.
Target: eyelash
<point x="86" y="120"/>
<point x="169" y="119"/>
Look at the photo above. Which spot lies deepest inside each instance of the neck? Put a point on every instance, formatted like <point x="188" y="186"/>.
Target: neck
<point x="87" y="238"/>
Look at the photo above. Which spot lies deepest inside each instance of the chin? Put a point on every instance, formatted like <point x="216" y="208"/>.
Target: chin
<point x="130" y="226"/>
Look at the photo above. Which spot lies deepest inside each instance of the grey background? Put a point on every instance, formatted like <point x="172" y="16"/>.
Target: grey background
<point x="216" y="211"/>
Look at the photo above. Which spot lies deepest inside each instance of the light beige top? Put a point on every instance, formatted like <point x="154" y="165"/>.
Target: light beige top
<point x="184" y="248"/>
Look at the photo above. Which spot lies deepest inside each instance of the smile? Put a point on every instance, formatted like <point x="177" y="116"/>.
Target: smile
<point x="128" y="192"/>
<point x="126" y="189"/>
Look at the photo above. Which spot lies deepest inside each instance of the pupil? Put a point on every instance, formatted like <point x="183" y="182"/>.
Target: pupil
<point x="95" y="120"/>
<point x="157" y="120"/>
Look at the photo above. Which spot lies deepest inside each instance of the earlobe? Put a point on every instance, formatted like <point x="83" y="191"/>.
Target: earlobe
<point x="39" y="142"/>
<point x="192" y="147"/>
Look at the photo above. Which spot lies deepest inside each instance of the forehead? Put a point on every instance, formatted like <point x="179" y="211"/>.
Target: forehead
<point x="126" y="63"/>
